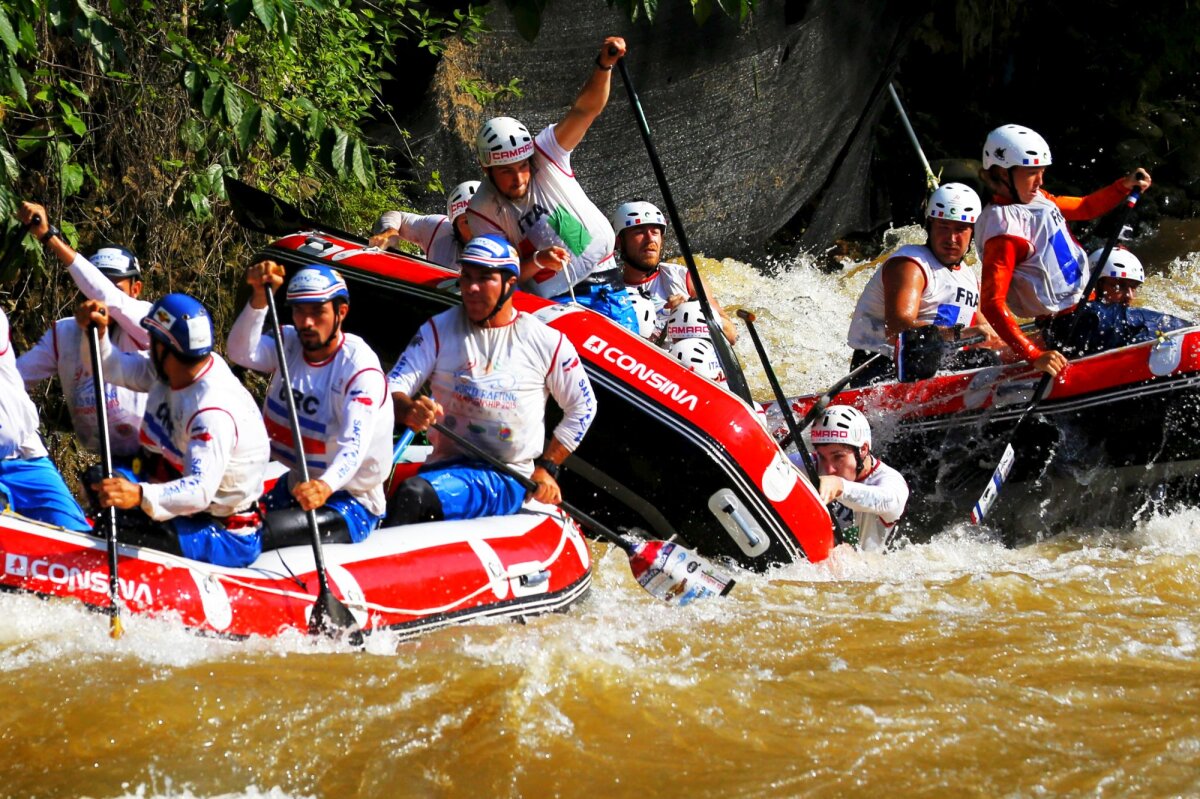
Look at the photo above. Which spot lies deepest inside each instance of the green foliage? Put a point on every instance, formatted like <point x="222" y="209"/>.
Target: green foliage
<point x="486" y="93"/>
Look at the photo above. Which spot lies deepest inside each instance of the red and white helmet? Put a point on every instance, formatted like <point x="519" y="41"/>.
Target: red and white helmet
<point x="842" y="424"/>
<point x="459" y="198"/>
<point x="687" y="321"/>
<point x="643" y="309"/>
<point x="636" y="213"/>
<point x="1121" y="264"/>
<point x="954" y="201"/>
<point x="699" y="355"/>
<point x="1014" y="145"/>
<point x="503" y="140"/>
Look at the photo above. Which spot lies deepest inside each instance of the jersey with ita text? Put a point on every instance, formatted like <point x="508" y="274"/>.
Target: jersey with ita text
<point x="870" y="508"/>
<point x="554" y="212"/>
<point x="342" y="404"/>
<point x="667" y="281"/>
<point x="950" y="297"/>
<point x="493" y="383"/>
<point x="210" y="431"/>
<point x="433" y="233"/>
<point x="18" y="415"/>
<point x="59" y="351"/>
<point x="1053" y="274"/>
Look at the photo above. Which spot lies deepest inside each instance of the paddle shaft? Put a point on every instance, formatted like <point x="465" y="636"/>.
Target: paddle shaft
<point x="733" y="370"/>
<point x="809" y="465"/>
<point x="327" y="607"/>
<point x="1001" y="473"/>
<point x="107" y="464"/>
<point x="529" y="485"/>
<point x="931" y="181"/>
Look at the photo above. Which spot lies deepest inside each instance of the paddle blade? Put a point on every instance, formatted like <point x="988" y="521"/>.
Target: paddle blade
<point x="115" y="628"/>
<point x="993" y="487"/>
<point x="675" y="574"/>
<point x="261" y="212"/>
<point x="331" y="617"/>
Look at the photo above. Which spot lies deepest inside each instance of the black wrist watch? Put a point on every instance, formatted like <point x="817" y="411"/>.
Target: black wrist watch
<point x="958" y="329"/>
<point x="50" y="233"/>
<point x="550" y="467"/>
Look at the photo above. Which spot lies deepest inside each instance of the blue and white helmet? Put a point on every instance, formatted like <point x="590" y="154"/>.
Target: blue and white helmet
<point x="491" y="252"/>
<point x="459" y="198"/>
<point x="117" y="263"/>
<point x="636" y="213"/>
<point x="182" y="323"/>
<point x="316" y="284"/>
<point x="503" y="140"/>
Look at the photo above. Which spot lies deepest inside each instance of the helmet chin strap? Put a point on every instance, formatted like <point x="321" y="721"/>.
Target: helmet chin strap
<point x="508" y="292"/>
<point x="1012" y="186"/>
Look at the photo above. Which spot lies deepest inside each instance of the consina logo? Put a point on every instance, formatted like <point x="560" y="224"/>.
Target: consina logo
<point x="645" y="374"/>
<point x="72" y="577"/>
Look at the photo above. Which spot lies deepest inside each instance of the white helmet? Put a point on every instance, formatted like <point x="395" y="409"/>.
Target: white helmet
<point x="954" y="201"/>
<point x="1013" y="145"/>
<point x="643" y="309"/>
<point x="699" y="355"/>
<point x="842" y="424"/>
<point x="1121" y="263"/>
<point x="458" y="199"/>
<point x="636" y="213"/>
<point x="503" y="140"/>
<point x="687" y="321"/>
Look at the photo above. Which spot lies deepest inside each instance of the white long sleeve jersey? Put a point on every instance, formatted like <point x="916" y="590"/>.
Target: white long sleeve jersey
<point x="59" y="351"/>
<point x="554" y="212"/>
<point x="342" y="404"/>
<point x="127" y="311"/>
<point x="433" y="233"/>
<point x="875" y="505"/>
<point x="210" y="430"/>
<point x="18" y="415"/>
<point x="493" y="383"/>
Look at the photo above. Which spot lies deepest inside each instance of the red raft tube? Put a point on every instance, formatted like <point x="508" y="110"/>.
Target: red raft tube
<point x="670" y="454"/>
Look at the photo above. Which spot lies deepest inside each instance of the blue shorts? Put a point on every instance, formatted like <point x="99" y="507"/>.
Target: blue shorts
<point x="607" y="300"/>
<point x="203" y="537"/>
<point x="470" y="489"/>
<point x="359" y="522"/>
<point x="33" y="487"/>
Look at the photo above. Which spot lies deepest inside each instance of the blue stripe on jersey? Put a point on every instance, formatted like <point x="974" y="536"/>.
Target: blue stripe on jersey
<point x="947" y="314"/>
<point x="160" y="436"/>
<point x="278" y="408"/>
<point x="287" y="456"/>
<point x="1065" y="257"/>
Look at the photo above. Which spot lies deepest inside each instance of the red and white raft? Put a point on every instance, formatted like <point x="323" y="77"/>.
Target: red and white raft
<point x="409" y="579"/>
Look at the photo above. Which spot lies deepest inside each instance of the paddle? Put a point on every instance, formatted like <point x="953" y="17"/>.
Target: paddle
<point x="825" y="399"/>
<point x="729" y="363"/>
<point x="265" y="213"/>
<point x="329" y="614"/>
<point x="666" y="570"/>
<point x="931" y="182"/>
<point x="115" y="629"/>
<point x="786" y="409"/>
<point x="988" y="498"/>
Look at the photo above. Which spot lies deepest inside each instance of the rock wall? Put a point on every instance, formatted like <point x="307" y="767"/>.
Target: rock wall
<point x="751" y="123"/>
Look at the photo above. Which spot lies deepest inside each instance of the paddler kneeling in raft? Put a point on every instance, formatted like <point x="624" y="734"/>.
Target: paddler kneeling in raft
<point x="926" y="288"/>
<point x="1111" y="321"/>
<point x="344" y="411"/>
<point x="490" y="367"/>
<point x="1032" y="265"/>
<point x="203" y="423"/>
<point x="868" y="496"/>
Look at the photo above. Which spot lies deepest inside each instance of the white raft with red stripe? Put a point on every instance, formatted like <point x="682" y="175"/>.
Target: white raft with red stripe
<point x="409" y="579"/>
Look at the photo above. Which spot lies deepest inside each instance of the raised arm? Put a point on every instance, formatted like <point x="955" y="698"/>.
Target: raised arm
<point x="592" y="98"/>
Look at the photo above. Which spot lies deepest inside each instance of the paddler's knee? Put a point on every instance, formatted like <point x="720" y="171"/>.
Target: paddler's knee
<point x="414" y="501"/>
<point x="288" y="527"/>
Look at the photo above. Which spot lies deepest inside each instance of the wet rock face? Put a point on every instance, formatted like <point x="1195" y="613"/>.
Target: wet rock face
<point x="751" y="124"/>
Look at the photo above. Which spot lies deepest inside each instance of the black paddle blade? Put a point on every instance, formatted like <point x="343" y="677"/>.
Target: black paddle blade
<point x="262" y="212"/>
<point x="331" y="617"/>
<point x="676" y="574"/>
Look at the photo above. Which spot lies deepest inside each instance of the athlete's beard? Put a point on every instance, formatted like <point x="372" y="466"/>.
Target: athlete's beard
<point x="649" y="270"/>
<point x="337" y="327"/>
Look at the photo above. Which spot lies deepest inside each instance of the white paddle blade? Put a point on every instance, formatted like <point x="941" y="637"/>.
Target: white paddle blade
<point x="675" y="574"/>
<point x="993" y="487"/>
